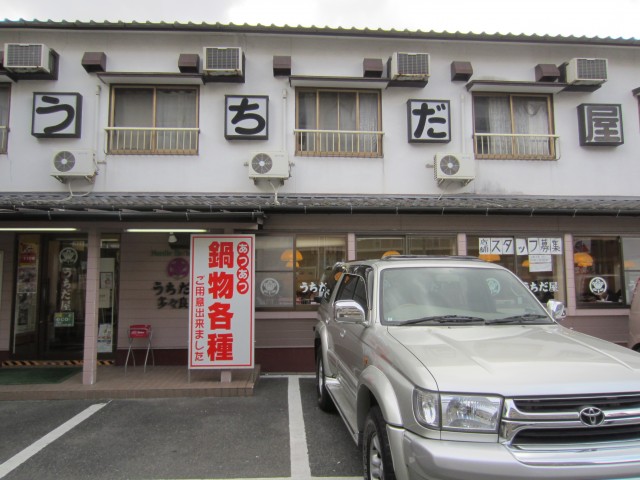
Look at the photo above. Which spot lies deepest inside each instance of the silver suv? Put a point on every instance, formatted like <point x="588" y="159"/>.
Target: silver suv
<point x="450" y="368"/>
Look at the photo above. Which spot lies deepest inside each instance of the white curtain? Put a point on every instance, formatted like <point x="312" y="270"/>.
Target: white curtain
<point x="176" y="108"/>
<point x="532" y="117"/>
<point x="133" y="108"/>
<point x="369" y="121"/>
<point x="499" y="122"/>
<point x="307" y="120"/>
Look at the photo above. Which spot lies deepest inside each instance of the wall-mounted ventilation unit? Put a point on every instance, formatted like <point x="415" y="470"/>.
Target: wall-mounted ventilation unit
<point x="27" y="58"/>
<point x="409" y="66"/>
<point x="68" y="164"/>
<point x="223" y="61"/>
<point x="269" y="165"/>
<point x="586" y="71"/>
<point x="454" y="166"/>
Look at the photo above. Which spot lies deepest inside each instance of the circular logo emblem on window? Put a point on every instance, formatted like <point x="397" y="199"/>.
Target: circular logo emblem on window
<point x="494" y="286"/>
<point x="68" y="256"/>
<point x="269" y="287"/>
<point x="178" y="268"/>
<point x="592" y="416"/>
<point x="598" y="285"/>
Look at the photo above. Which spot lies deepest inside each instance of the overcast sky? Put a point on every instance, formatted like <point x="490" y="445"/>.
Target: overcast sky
<point x="592" y="18"/>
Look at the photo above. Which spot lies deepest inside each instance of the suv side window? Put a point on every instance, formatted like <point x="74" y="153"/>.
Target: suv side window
<point x="353" y="288"/>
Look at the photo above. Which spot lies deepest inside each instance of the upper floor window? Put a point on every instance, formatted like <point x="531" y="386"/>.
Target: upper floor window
<point x="338" y="123"/>
<point x="514" y="126"/>
<point x="4" y="117"/>
<point x="153" y="120"/>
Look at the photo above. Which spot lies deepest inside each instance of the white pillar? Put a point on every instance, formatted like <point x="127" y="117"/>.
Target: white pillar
<point x="90" y="364"/>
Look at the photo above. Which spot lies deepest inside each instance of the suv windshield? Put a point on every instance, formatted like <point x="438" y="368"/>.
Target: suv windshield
<point x="456" y="296"/>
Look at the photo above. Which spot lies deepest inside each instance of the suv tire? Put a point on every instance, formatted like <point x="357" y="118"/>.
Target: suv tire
<point x="324" y="400"/>
<point x="376" y="454"/>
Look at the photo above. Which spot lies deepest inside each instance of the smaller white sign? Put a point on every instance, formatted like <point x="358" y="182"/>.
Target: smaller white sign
<point x="540" y="263"/>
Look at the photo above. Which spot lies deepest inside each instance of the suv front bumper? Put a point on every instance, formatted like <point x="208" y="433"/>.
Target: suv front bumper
<point x="427" y="459"/>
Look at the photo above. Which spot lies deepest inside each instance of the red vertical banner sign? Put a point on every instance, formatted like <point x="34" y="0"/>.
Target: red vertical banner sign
<point x="221" y="302"/>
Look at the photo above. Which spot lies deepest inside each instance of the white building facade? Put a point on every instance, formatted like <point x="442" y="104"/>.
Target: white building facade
<point x="119" y="140"/>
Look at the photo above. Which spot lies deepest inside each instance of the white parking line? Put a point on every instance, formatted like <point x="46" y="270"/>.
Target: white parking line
<point x="300" y="469"/>
<point x="297" y="435"/>
<point x="21" y="457"/>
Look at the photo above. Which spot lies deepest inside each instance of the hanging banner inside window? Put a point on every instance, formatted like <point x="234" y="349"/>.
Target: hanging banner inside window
<point x="221" y="309"/>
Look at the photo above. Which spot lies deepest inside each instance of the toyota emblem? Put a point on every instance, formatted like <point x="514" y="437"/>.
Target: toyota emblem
<point x="592" y="416"/>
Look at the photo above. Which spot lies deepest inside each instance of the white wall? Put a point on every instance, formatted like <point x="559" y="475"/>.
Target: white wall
<point x="219" y="167"/>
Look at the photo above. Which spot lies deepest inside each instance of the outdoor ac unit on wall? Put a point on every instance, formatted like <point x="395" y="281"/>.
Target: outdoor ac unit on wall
<point x="27" y="58"/>
<point x="67" y="164"/>
<point x="586" y="71"/>
<point x="454" y="166"/>
<point x="269" y="165"/>
<point x="409" y="66"/>
<point x="223" y="61"/>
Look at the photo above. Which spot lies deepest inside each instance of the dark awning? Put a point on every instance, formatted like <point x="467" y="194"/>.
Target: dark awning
<point x="248" y="207"/>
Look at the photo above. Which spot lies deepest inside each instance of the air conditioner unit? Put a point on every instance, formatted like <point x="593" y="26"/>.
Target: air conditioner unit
<point x="27" y="58"/>
<point x="223" y="61"/>
<point x="586" y="71"/>
<point x="73" y="164"/>
<point x="269" y="165"/>
<point x="409" y="66"/>
<point x="454" y="166"/>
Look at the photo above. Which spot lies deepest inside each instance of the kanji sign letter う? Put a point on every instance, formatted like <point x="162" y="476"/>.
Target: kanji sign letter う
<point x="57" y="115"/>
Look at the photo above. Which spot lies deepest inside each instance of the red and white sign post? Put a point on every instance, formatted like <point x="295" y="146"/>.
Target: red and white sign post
<point x="221" y="308"/>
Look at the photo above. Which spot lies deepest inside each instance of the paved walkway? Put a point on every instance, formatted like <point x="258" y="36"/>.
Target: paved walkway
<point x="156" y="382"/>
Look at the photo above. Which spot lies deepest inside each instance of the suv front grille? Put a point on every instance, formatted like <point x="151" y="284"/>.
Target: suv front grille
<point x="562" y="420"/>
<point x="536" y="405"/>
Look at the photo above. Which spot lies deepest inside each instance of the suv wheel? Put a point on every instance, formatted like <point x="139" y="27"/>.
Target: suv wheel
<point x="324" y="400"/>
<point x="376" y="454"/>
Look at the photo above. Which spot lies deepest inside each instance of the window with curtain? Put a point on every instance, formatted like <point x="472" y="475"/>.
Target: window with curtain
<point x="537" y="260"/>
<point x="513" y="126"/>
<point x="338" y="123"/>
<point x="4" y="117"/>
<point x="293" y="271"/>
<point x="160" y="120"/>
<point x="599" y="271"/>
<point x="381" y="246"/>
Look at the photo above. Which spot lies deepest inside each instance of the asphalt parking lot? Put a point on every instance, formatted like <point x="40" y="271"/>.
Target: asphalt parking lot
<point x="276" y="433"/>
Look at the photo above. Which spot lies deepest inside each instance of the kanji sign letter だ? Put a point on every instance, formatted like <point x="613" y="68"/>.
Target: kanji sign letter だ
<point x="429" y="121"/>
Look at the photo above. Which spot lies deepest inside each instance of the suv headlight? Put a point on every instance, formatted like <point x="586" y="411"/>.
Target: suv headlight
<point x="457" y="412"/>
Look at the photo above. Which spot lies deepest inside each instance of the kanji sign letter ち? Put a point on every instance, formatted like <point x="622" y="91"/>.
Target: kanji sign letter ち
<point x="246" y="117"/>
<point x="221" y="308"/>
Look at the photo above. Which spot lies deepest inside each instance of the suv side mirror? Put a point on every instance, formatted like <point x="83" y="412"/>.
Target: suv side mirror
<point x="556" y="309"/>
<point x="349" y="311"/>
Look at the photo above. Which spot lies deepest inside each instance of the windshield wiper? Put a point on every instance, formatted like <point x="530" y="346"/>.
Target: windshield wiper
<point x="519" y="319"/>
<point x="444" y="319"/>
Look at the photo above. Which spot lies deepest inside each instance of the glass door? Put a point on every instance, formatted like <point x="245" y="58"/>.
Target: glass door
<point x="64" y="310"/>
<point x="51" y="278"/>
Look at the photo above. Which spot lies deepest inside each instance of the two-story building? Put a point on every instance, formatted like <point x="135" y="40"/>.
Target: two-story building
<point x="119" y="140"/>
